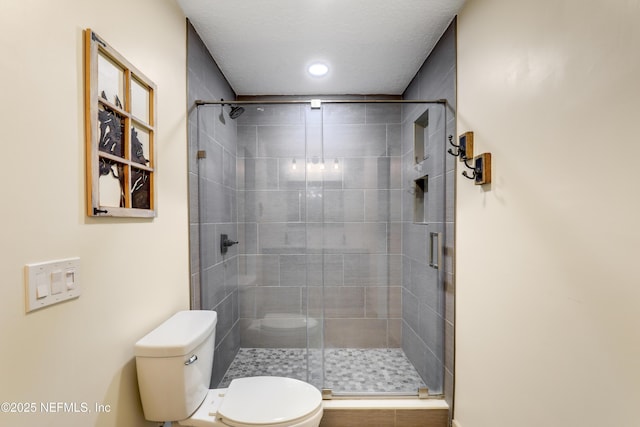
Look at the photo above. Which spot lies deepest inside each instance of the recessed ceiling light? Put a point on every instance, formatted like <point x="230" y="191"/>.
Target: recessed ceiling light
<point x="318" y="69"/>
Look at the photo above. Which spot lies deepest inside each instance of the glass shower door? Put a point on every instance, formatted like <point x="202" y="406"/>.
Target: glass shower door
<point x="383" y="328"/>
<point x="341" y="219"/>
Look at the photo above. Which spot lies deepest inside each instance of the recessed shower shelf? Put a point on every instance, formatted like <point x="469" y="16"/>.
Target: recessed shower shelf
<point x="421" y="137"/>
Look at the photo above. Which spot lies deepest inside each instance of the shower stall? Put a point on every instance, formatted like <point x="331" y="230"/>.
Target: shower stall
<point x="338" y="208"/>
<point x="342" y="208"/>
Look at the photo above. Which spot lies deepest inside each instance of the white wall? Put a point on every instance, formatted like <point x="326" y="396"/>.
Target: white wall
<point x="548" y="284"/>
<point x="134" y="272"/>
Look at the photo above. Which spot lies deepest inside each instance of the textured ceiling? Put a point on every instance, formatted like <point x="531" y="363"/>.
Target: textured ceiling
<point x="263" y="47"/>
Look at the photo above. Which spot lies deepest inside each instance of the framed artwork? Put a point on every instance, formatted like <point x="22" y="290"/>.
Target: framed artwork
<point x="120" y="126"/>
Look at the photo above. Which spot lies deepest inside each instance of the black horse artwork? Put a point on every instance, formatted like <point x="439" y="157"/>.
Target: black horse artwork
<point x="110" y="133"/>
<point x="137" y="149"/>
<point x="140" y="185"/>
<point x="110" y="140"/>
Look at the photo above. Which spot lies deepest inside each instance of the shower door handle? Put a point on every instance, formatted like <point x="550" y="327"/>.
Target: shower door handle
<point x="435" y="250"/>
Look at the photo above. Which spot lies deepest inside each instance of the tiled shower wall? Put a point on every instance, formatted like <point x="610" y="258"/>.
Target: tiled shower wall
<point x="303" y="225"/>
<point x="428" y="307"/>
<point x="212" y="211"/>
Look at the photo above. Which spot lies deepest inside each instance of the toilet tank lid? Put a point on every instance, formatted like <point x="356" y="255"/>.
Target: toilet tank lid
<point x="178" y="335"/>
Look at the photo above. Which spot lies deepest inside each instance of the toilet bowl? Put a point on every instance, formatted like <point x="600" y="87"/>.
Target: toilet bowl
<point x="174" y="363"/>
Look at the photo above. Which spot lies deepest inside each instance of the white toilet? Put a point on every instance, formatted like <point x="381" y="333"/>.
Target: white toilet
<point x="174" y="363"/>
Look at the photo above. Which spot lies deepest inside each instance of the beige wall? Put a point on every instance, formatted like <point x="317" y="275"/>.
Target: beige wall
<point x="548" y="284"/>
<point x="134" y="272"/>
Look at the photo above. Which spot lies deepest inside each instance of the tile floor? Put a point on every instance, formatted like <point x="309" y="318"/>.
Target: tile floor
<point x="347" y="370"/>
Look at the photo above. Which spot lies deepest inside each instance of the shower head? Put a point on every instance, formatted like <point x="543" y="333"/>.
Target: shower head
<point x="236" y="111"/>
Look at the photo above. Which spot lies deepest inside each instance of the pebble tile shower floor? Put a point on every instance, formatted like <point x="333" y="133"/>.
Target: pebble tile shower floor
<point x="347" y="370"/>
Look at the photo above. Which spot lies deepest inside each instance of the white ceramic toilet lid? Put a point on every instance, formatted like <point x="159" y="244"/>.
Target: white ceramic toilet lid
<point x="268" y="400"/>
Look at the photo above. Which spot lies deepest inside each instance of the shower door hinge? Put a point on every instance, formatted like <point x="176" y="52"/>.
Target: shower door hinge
<point x="201" y="154"/>
<point x="327" y="394"/>
<point x="423" y="393"/>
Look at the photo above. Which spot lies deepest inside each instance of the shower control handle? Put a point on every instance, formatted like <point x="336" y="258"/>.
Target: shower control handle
<point x="225" y="243"/>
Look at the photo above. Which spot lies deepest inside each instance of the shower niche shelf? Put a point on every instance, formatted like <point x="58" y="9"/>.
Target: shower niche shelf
<point x="420" y="200"/>
<point x="421" y="137"/>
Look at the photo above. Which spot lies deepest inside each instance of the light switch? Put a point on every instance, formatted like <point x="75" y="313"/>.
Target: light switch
<point x="70" y="278"/>
<point x="42" y="291"/>
<point x="56" y="282"/>
<point x="51" y="282"/>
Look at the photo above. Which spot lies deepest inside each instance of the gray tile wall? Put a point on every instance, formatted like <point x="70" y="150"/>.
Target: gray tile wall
<point x="428" y="294"/>
<point x="302" y="225"/>
<point x="213" y="209"/>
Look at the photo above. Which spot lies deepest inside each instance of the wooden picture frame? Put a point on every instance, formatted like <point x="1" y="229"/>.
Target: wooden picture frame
<point x="120" y="133"/>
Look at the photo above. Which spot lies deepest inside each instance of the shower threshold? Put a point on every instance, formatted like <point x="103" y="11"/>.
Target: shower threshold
<point x="422" y="393"/>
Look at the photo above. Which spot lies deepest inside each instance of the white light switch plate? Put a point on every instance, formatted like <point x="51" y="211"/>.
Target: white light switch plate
<point x="51" y="282"/>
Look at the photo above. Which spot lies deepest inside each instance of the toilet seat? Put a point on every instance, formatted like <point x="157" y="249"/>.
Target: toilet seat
<point x="260" y="401"/>
<point x="268" y="401"/>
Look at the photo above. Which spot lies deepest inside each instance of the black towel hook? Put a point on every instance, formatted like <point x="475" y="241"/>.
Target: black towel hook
<point x="457" y="147"/>
<point x="476" y="171"/>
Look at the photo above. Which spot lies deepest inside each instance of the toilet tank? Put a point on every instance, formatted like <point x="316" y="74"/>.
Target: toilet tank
<point x="174" y="363"/>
